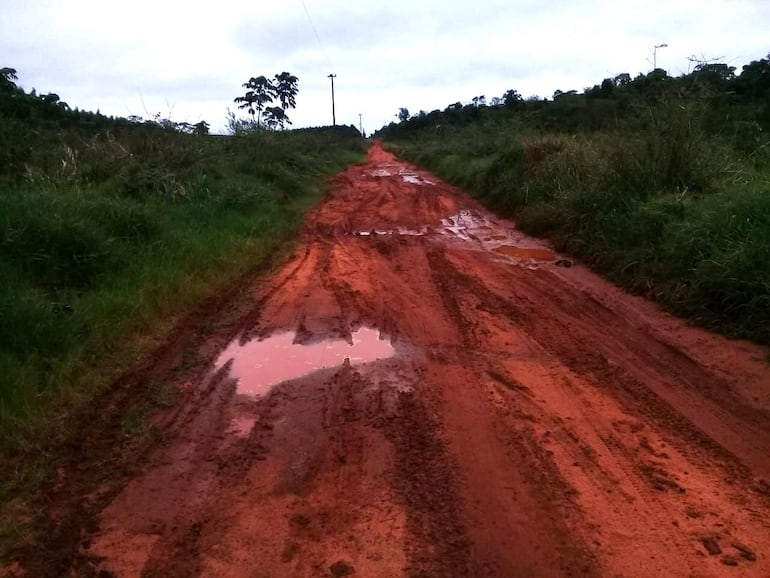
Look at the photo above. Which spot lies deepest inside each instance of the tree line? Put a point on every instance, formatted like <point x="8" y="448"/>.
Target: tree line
<point x="738" y="104"/>
<point x="50" y="112"/>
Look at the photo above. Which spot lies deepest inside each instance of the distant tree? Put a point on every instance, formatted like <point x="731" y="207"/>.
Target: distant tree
<point x="622" y="79"/>
<point x="479" y="100"/>
<point x="259" y="95"/>
<point x="201" y="127"/>
<point x="512" y="99"/>
<point x="403" y="114"/>
<point x="275" y="116"/>
<point x="8" y="78"/>
<point x="754" y="80"/>
<point x="713" y="77"/>
<point x="285" y="89"/>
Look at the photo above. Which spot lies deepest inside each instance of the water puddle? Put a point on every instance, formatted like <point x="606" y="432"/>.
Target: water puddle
<point x="241" y="426"/>
<point x="415" y="179"/>
<point x="398" y="231"/>
<point x="405" y="174"/>
<point x="465" y="225"/>
<point x="260" y="365"/>
<point x="538" y="254"/>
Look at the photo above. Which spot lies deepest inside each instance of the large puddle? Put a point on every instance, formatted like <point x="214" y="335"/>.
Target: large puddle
<point x="260" y="365"/>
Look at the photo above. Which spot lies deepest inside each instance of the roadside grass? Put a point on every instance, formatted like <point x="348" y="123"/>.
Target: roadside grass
<point x="666" y="211"/>
<point x="105" y="238"/>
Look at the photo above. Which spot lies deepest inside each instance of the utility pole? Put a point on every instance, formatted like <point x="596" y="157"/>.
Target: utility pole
<point x="334" y="116"/>
<point x="655" y="55"/>
<point x="360" y="124"/>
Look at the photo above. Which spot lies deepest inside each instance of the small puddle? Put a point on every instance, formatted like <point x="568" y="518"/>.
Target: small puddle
<point x="260" y="365"/>
<point x="465" y="224"/>
<point x="399" y="231"/>
<point x="525" y="252"/>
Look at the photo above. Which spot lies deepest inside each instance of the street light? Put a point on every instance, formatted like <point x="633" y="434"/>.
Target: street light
<point x="655" y="55"/>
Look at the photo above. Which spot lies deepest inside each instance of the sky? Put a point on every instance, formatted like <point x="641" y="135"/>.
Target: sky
<point x="188" y="60"/>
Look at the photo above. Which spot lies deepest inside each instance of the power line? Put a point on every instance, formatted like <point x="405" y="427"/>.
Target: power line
<point x="315" y="32"/>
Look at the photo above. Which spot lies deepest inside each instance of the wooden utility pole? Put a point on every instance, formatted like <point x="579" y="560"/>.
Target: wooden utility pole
<point x="334" y="116"/>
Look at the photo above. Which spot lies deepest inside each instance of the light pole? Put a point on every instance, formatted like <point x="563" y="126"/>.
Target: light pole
<point x="334" y="116"/>
<point x="360" y="124"/>
<point x="655" y="55"/>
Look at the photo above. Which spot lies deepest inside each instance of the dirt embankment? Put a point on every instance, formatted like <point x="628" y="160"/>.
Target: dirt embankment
<point x="424" y="391"/>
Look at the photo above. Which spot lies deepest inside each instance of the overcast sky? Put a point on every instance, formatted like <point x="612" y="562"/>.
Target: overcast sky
<point x="187" y="60"/>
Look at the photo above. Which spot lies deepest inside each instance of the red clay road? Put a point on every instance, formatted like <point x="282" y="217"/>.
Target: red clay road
<point x="501" y="412"/>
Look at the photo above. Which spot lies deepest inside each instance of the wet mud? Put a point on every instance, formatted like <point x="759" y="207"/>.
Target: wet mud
<point x="422" y="390"/>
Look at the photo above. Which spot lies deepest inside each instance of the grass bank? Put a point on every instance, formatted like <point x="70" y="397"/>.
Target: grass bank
<point x="668" y="211"/>
<point x="105" y="235"/>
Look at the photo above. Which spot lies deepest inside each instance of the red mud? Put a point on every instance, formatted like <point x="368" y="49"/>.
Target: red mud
<point x="532" y="420"/>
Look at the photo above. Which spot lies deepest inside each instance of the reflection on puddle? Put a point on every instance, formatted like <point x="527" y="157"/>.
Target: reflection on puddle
<point x="415" y="179"/>
<point x="405" y="174"/>
<point x="398" y="231"/>
<point x="259" y="365"/>
<point x="525" y="252"/>
<point x="464" y="225"/>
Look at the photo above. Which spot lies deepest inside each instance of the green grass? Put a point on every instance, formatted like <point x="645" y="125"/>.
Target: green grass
<point x="104" y="237"/>
<point x="668" y="211"/>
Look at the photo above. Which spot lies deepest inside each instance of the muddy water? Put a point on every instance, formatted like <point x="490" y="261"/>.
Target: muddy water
<point x="525" y="252"/>
<point x="259" y="365"/>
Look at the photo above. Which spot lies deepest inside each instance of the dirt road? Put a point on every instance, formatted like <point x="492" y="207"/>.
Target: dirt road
<point x="424" y="391"/>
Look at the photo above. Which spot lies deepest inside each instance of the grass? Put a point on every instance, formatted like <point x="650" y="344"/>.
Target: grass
<point x="105" y="237"/>
<point x="667" y="211"/>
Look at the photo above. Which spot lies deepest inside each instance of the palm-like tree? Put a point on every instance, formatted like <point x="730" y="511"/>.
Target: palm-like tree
<point x="286" y="89"/>
<point x="8" y="77"/>
<point x="259" y="95"/>
<point x="275" y="116"/>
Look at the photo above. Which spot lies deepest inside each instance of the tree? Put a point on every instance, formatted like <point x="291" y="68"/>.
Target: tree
<point x="259" y="95"/>
<point x="8" y="78"/>
<point x="262" y="91"/>
<point x="403" y="114"/>
<point x="285" y="89"/>
<point x="754" y="80"/>
<point x="201" y="127"/>
<point x="275" y="116"/>
<point x="512" y="99"/>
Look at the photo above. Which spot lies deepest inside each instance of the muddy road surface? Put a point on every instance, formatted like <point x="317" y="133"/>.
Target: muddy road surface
<point x="422" y="390"/>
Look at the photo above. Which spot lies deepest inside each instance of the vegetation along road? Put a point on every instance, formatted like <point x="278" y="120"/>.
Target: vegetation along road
<point x="422" y="390"/>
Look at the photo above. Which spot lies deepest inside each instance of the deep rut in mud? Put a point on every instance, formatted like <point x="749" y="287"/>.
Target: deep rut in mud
<point x="464" y="402"/>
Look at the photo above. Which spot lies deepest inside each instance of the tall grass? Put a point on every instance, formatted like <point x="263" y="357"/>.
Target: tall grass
<point x="104" y="235"/>
<point x="663" y="209"/>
